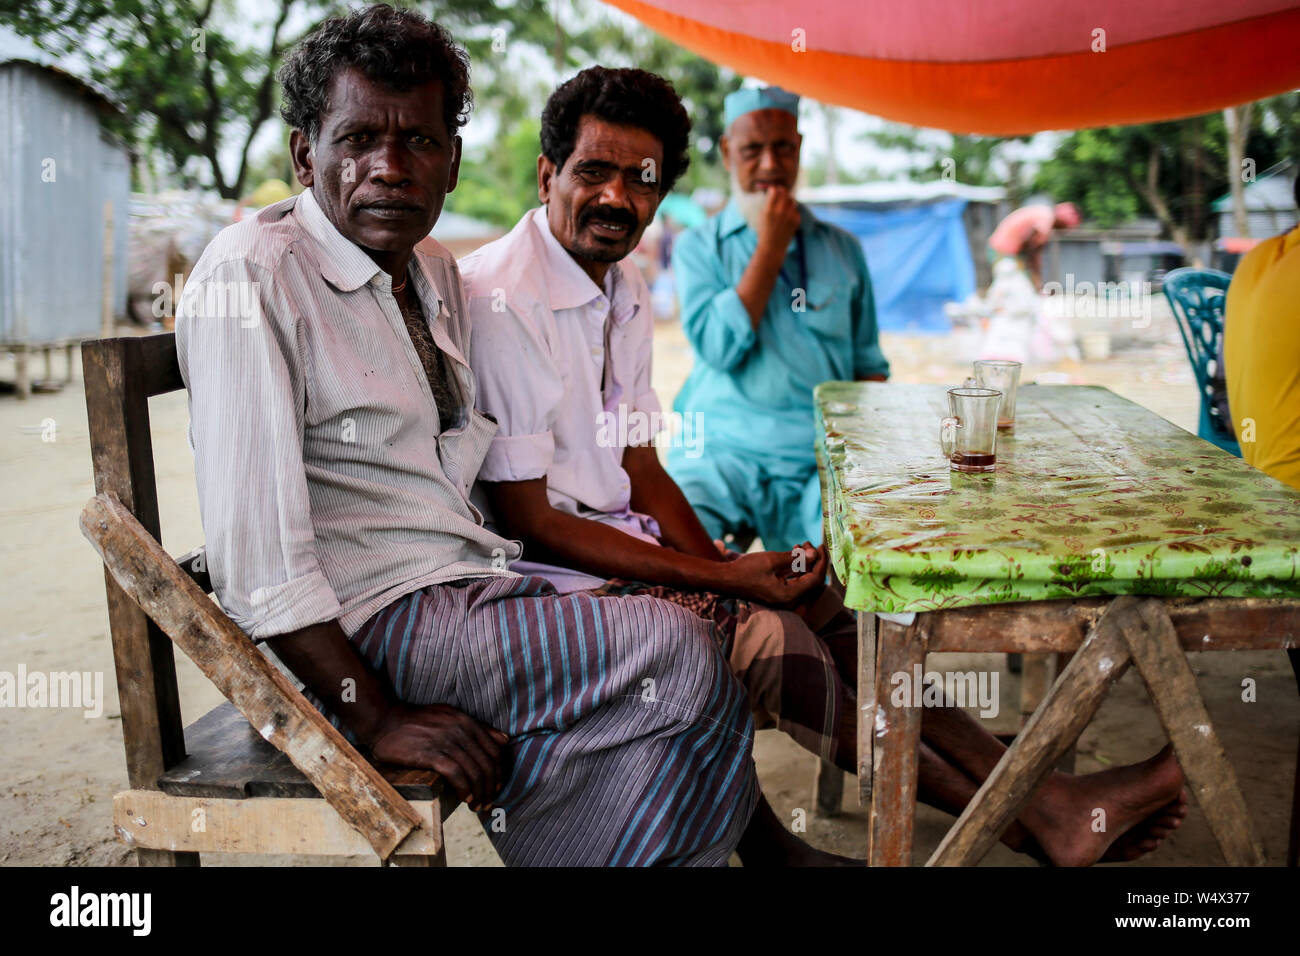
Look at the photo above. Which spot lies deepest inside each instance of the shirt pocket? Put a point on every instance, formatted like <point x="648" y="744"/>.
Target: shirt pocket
<point x="827" y="309"/>
<point x="464" y="451"/>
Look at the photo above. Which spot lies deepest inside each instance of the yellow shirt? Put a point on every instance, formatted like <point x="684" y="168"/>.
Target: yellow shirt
<point x="1262" y="356"/>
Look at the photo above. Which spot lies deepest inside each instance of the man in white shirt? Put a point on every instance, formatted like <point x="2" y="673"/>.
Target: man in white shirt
<point x="335" y="437"/>
<point x="562" y="341"/>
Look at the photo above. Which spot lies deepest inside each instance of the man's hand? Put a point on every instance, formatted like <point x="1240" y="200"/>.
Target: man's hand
<point x="779" y="221"/>
<point x="770" y="577"/>
<point x="443" y="739"/>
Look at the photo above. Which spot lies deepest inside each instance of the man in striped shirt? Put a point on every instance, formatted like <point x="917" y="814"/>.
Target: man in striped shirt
<point x="335" y="437"/>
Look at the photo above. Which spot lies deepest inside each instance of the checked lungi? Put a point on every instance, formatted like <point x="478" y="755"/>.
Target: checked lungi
<point x="630" y="739"/>
<point x="799" y="669"/>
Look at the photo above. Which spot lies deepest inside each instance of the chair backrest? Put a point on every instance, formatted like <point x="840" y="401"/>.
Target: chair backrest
<point x="121" y="374"/>
<point x="1197" y="298"/>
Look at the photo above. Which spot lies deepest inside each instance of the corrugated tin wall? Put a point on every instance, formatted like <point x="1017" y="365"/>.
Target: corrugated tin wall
<point x="1262" y="223"/>
<point x="52" y="232"/>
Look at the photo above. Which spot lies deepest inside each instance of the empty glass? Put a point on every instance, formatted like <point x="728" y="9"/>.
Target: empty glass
<point x="969" y="435"/>
<point x="1005" y="377"/>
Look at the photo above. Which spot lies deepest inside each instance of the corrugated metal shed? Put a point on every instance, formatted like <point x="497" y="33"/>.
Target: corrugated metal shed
<point x="57" y="169"/>
<point x="1270" y="203"/>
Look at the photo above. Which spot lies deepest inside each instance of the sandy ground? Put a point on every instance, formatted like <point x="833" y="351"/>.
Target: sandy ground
<point x="59" y="769"/>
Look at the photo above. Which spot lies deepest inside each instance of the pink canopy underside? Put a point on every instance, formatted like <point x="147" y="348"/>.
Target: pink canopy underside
<point x="956" y="31"/>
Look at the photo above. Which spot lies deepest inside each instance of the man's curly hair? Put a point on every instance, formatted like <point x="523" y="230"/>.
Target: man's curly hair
<point x="626" y="97"/>
<point x="399" y="49"/>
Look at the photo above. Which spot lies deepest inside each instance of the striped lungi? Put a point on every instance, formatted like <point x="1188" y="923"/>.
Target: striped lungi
<point x="799" y="669"/>
<point x="630" y="739"/>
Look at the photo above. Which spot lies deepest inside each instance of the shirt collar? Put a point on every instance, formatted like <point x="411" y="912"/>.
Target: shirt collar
<point x="346" y="266"/>
<point x="570" y="287"/>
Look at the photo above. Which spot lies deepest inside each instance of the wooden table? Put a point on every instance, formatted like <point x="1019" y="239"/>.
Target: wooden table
<point x="1106" y="532"/>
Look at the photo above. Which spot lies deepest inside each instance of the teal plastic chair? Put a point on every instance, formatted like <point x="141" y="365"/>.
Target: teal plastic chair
<point x="1197" y="297"/>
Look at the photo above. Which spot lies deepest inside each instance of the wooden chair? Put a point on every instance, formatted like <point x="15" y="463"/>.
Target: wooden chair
<point x="219" y="785"/>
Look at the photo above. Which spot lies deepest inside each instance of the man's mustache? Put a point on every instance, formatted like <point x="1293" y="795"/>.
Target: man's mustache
<point x="611" y="215"/>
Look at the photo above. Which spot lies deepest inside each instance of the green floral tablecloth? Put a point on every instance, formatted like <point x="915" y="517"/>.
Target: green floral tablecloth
<point x="1092" y="495"/>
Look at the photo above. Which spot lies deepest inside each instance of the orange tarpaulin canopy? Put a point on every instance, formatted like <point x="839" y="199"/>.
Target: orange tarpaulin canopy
<point x="1002" y="67"/>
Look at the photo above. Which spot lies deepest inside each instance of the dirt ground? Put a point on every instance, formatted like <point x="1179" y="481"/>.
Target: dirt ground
<point x="59" y="769"/>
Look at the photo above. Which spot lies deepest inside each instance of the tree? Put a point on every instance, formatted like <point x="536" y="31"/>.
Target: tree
<point x="1168" y="170"/>
<point x="935" y="154"/>
<point x="194" y="75"/>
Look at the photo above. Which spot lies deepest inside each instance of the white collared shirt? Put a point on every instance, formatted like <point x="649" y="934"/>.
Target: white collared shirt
<point x="327" y="487"/>
<point x="543" y="332"/>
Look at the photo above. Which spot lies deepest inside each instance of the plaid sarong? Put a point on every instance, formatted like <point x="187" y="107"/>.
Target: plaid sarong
<point x="800" y="671"/>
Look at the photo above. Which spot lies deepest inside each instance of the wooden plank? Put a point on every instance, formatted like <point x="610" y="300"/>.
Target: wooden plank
<point x="1035" y="678"/>
<point x="147" y="818"/>
<point x="866" y="705"/>
<point x="1161" y="662"/>
<point x="1069" y="706"/>
<point x="233" y="663"/>
<point x="1202" y="624"/>
<point x="195" y="564"/>
<point x="897" y="732"/>
<point x="229" y="759"/>
<point x="117" y="411"/>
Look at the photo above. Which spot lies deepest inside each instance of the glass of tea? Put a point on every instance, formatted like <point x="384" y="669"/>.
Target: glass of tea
<point x="1005" y="377"/>
<point x="969" y="434"/>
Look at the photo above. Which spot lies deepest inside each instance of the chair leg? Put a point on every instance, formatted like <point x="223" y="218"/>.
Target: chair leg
<point x="828" y="789"/>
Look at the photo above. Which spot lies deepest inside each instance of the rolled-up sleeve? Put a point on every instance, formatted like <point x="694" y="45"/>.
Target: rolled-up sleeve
<point x="237" y="346"/>
<point x="715" y="321"/>
<point x="518" y="385"/>
<point x="868" y="359"/>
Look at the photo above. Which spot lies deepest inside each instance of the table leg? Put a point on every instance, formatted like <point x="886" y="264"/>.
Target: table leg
<point x="1035" y="678"/>
<point x="897" y="732"/>
<point x="866" y="705"/>
<point x="1163" y="665"/>
<point x="1067" y="709"/>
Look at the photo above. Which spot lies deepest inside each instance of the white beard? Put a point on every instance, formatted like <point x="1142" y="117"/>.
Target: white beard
<point x="750" y="204"/>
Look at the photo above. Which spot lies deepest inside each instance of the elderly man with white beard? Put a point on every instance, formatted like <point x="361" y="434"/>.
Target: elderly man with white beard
<point x="774" y="301"/>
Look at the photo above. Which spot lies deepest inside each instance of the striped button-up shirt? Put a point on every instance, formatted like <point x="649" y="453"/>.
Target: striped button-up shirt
<point x="327" y="487"/>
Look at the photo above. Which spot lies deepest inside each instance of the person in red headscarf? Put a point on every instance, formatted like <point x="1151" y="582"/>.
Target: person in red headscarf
<point x="1023" y="234"/>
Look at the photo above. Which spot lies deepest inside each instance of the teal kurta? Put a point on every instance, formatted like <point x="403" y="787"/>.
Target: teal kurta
<point x="753" y="389"/>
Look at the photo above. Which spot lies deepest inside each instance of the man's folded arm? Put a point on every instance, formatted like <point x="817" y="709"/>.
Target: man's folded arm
<point x="238" y="352"/>
<point x="523" y="510"/>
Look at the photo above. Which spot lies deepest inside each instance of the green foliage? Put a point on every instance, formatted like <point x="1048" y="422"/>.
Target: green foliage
<point x="932" y="154"/>
<point x="499" y="184"/>
<point x="1108" y="171"/>
<point x="196" y="79"/>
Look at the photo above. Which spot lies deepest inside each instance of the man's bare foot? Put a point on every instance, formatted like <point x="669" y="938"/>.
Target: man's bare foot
<point x="1149" y="834"/>
<point x="1076" y="819"/>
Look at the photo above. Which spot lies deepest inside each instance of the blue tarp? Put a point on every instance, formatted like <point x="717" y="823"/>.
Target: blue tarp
<point x="918" y="257"/>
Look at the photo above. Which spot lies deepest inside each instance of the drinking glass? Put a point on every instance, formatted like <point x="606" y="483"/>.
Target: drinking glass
<point x="1005" y="377"/>
<point x="969" y="434"/>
